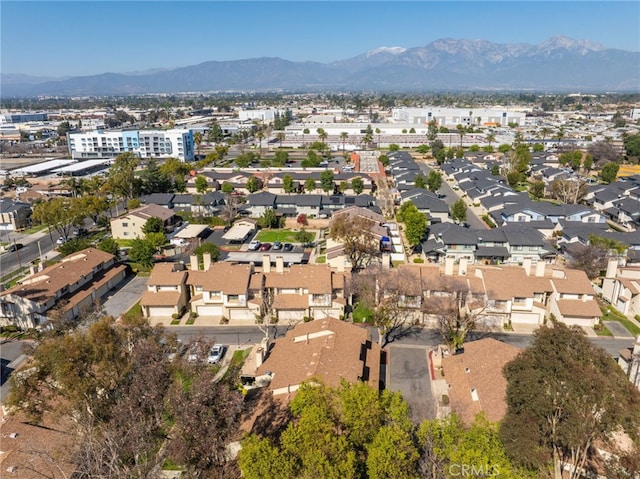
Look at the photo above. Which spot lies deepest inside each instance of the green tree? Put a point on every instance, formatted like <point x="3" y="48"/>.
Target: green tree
<point x="121" y="180"/>
<point x="587" y="164"/>
<point x="537" y="189"/>
<point x="432" y="131"/>
<point x="153" y="180"/>
<point x="415" y="226"/>
<point x="423" y="149"/>
<point x="504" y="148"/>
<point x="142" y="252"/>
<point x="394" y="147"/>
<point x="201" y="184"/>
<point x="254" y="184"/>
<point x="59" y="214"/>
<point x="459" y="211"/>
<point x="609" y="172"/>
<point x="227" y="187"/>
<point x="393" y="453"/>
<point x="323" y="135"/>
<point x="343" y="137"/>
<point x="327" y="181"/>
<point x="563" y="395"/>
<point x="281" y="158"/>
<point x="269" y="219"/>
<point x="357" y="184"/>
<point x="197" y="139"/>
<point x="109" y="245"/>
<point x="434" y="180"/>
<point x="420" y="181"/>
<point x="304" y="236"/>
<point x="153" y="225"/>
<point x="632" y="146"/>
<point x="288" y="184"/>
<point x="210" y="248"/>
<point x="310" y="185"/>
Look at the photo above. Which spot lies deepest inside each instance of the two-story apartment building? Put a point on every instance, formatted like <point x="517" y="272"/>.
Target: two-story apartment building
<point x="167" y="291"/>
<point x="14" y="215"/>
<point x="129" y="225"/>
<point x="72" y="285"/>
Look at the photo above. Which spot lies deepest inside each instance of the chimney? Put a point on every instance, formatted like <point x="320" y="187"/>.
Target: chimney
<point x="266" y="263"/>
<point x="612" y="268"/>
<point x="279" y="264"/>
<point x="541" y="267"/>
<point x="462" y="267"/>
<point x="526" y="265"/>
<point x="207" y="261"/>
<point x="636" y="346"/>
<point x="194" y="262"/>
<point x="448" y="266"/>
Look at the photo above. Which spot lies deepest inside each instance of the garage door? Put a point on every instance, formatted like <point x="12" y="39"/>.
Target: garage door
<point x="210" y="310"/>
<point x="524" y="318"/>
<point x="158" y="311"/>
<point x="241" y="314"/>
<point x="583" y="322"/>
<point x="291" y="315"/>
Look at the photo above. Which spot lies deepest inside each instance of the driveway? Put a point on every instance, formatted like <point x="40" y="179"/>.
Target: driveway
<point x="617" y="329"/>
<point x="408" y="373"/>
<point x="125" y="295"/>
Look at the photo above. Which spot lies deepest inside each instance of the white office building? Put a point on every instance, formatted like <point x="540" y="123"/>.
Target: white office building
<point x="476" y="117"/>
<point x="176" y="143"/>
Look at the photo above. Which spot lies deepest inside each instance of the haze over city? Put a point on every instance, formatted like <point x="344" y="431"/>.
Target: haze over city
<point x="85" y="38"/>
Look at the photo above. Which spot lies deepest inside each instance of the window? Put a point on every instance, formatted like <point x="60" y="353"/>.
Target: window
<point x="125" y="225"/>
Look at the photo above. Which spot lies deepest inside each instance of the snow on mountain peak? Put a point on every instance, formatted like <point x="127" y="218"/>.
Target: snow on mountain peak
<point x="392" y="50"/>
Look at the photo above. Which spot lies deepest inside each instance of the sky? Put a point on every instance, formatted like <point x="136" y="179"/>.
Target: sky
<point x="73" y="38"/>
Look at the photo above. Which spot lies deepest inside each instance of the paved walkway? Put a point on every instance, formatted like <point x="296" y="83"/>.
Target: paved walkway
<point x="617" y="329"/>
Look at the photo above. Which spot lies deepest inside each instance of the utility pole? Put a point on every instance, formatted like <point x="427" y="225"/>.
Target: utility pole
<point x="17" y="253"/>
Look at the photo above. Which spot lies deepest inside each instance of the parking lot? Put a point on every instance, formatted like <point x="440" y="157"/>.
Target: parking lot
<point x="127" y="293"/>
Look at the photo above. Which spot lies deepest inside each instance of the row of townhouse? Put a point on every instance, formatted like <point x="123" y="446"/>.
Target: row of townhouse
<point x="312" y="205"/>
<point x="72" y="286"/>
<point x="403" y="172"/>
<point x="527" y="294"/>
<point x="511" y="244"/>
<point x="618" y="201"/>
<point x="244" y="292"/>
<point x="274" y="182"/>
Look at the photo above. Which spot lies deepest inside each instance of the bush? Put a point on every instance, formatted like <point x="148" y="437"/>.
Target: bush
<point x="445" y="399"/>
<point x="193" y="315"/>
<point x="307" y="319"/>
<point x="224" y="320"/>
<point x="418" y="260"/>
<point x="176" y="316"/>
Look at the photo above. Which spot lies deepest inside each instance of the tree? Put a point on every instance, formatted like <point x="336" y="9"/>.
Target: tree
<point x="281" y="158"/>
<point x="343" y="137"/>
<point x="254" y="184"/>
<point x="423" y="149"/>
<point x="121" y="180"/>
<point x="302" y="219"/>
<point x="461" y="131"/>
<point x="415" y="224"/>
<point x="569" y="191"/>
<point x="210" y="248"/>
<point x="632" y="146"/>
<point x="156" y="240"/>
<point x="537" y="189"/>
<point x="269" y="219"/>
<point x="603" y="152"/>
<point x="459" y="211"/>
<point x="389" y="296"/>
<point x="153" y="225"/>
<point x="214" y="134"/>
<point x="227" y="187"/>
<point x="434" y="180"/>
<point x="109" y="245"/>
<point x="326" y="181"/>
<point x="563" y="395"/>
<point x="367" y="138"/>
<point x="322" y="134"/>
<point x="432" y="131"/>
<point x="420" y="181"/>
<point x="153" y="179"/>
<point x="287" y="184"/>
<point x="609" y="172"/>
<point x="142" y="252"/>
<point x="310" y="185"/>
<point x="357" y="185"/>
<point x="201" y="184"/>
<point x="304" y="132"/>
<point x="58" y="214"/>
<point x="280" y="136"/>
<point x="354" y="232"/>
<point x="197" y="139"/>
<point x="490" y="137"/>
<point x="303" y="236"/>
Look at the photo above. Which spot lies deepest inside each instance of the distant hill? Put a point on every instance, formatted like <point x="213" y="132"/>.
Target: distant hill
<point x="558" y="64"/>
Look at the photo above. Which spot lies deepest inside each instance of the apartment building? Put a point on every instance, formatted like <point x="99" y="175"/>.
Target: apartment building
<point x="176" y="143"/>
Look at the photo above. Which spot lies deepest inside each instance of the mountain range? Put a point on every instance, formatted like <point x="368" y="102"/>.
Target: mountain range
<point x="558" y="64"/>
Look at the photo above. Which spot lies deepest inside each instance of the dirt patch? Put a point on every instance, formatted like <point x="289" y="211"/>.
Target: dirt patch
<point x="314" y="224"/>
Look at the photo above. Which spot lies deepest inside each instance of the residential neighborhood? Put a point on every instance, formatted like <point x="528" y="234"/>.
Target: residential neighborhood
<point x="264" y="258"/>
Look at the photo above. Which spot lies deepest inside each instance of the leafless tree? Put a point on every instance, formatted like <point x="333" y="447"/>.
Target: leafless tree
<point x="393" y="297"/>
<point x="569" y="191"/>
<point x="360" y="245"/>
<point x="456" y="309"/>
<point x="229" y="209"/>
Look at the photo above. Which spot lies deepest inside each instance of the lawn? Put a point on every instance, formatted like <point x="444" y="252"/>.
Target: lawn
<point x="271" y="236"/>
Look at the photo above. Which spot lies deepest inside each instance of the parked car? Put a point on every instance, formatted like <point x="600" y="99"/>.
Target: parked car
<point x="277" y="246"/>
<point x="79" y="232"/>
<point x="254" y="245"/>
<point x="288" y="247"/>
<point x="60" y="240"/>
<point x="265" y="247"/>
<point x="216" y="353"/>
<point x="14" y="247"/>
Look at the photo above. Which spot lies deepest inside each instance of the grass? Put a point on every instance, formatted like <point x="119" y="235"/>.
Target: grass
<point x="239" y="355"/>
<point x="321" y="259"/>
<point x="602" y="330"/>
<point x="34" y="229"/>
<point x="134" y="312"/>
<point x="271" y="236"/>
<point x="361" y="314"/>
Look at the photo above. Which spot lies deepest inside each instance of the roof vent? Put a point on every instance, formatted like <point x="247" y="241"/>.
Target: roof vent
<point x="467" y="370"/>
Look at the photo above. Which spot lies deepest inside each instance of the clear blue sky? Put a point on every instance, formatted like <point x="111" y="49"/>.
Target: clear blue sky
<point x="55" y="38"/>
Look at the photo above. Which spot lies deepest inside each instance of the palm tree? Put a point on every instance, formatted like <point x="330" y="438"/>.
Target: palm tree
<point x="280" y="136"/>
<point x="304" y="132"/>
<point x="491" y="137"/>
<point x="378" y="132"/>
<point x="343" y="136"/>
<point x="322" y="134"/>
<point x="461" y="131"/>
<point x="197" y="139"/>
<point x="545" y="132"/>
<point x="260" y="136"/>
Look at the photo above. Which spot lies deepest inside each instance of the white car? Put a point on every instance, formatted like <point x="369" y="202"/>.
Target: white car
<point x="254" y="245"/>
<point x="60" y="240"/>
<point x="217" y="351"/>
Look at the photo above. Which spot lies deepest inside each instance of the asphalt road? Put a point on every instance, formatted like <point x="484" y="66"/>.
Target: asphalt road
<point x="451" y="196"/>
<point x="408" y="373"/>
